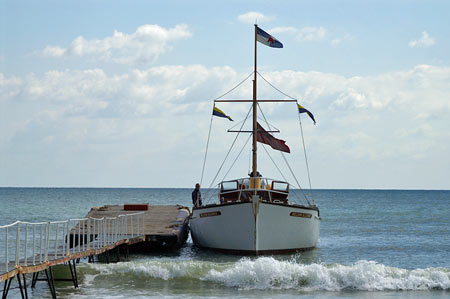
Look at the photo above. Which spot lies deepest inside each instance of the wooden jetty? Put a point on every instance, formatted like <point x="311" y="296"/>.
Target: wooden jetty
<point x="165" y="226"/>
<point x="34" y="248"/>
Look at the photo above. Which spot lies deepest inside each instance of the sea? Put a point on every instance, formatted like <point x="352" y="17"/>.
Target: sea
<point x="373" y="244"/>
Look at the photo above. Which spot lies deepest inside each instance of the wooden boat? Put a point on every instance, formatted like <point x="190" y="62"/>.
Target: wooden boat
<point x="255" y="215"/>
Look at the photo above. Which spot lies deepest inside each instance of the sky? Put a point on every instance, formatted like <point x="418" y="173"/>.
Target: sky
<point x="120" y="93"/>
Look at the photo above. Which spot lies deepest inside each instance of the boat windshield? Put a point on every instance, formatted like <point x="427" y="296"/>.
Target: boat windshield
<point x="241" y="190"/>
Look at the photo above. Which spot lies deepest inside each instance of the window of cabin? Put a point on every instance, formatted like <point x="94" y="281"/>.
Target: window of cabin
<point x="229" y="186"/>
<point x="280" y="186"/>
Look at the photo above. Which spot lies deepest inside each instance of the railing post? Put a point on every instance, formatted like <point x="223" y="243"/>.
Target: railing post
<point x="63" y="241"/>
<point x="79" y="236"/>
<point x="41" y="240"/>
<point x="73" y="237"/>
<point x="107" y="231"/>
<point x="126" y="224"/>
<point x="17" y="244"/>
<point x="47" y="241"/>
<point x="115" y="229"/>
<point x="120" y="227"/>
<point x="104" y="232"/>
<point x="84" y="234"/>
<point x="68" y="238"/>
<point x="34" y="244"/>
<point x="138" y="222"/>
<point x="56" y="240"/>
<point x="26" y="244"/>
<point x="89" y="233"/>
<point x="98" y="233"/>
<point x="6" y="249"/>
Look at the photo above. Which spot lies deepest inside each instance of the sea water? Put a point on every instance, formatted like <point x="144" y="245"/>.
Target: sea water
<point x="373" y="244"/>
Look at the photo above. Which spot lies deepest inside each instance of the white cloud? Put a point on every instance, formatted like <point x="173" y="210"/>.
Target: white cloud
<point x="143" y="46"/>
<point x="283" y="30"/>
<point x="9" y="87"/>
<point x="253" y="17"/>
<point x="96" y="118"/>
<point x="54" y="51"/>
<point x="338" y="40"/>
<point x="424" y="41"/>
<point x="311" y="34"/>
<point x="306" y="34"/>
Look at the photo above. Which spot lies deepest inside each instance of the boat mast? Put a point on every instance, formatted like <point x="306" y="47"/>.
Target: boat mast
<point x="255" y="109"/>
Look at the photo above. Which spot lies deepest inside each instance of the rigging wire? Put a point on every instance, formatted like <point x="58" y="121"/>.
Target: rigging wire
<point x="263" y="146"/>
<point x="207" y="145"/>
<point x="268" y="125"/>
<point x="306" y="157"/>
<point x="293" y="174"/>
<point x="283" y="157"/>
<point x="210" y="125"/>
<point x="285" y="94"/>
<point x="232" y="145"/>
<point x="250" y="135"/>
<point x="303" y="139"/>
<point x="234" y="141"/>
<point x="240" y="83"/>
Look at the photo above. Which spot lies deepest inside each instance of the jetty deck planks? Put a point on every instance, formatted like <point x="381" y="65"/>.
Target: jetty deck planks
<point x="163" y="224"/>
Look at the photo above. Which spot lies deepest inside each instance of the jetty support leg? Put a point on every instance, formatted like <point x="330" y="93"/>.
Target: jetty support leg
<point x="51" y="283"/>
<point x="6" y="288"/>
<point x="25" y="285"/>
<point x="34" y="279"/>
<point x="20" y="286"/>
<point x="73" y="273"/>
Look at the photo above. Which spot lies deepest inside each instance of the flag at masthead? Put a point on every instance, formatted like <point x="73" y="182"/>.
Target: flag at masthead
<point x="268" y="40"/>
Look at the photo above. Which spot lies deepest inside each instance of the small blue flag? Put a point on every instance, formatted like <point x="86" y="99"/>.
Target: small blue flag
<point x="302" y="109"/>
<point x="267" y="39"/>
<point x="220" y="113"/>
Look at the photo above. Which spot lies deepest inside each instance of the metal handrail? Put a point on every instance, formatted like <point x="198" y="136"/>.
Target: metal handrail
<point x="35" y="243"/>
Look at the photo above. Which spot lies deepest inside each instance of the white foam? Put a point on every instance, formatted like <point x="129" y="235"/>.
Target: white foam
<point x="269" y="273"/>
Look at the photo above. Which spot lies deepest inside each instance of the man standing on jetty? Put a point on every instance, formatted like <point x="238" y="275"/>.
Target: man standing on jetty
<point x="196" y="196"/>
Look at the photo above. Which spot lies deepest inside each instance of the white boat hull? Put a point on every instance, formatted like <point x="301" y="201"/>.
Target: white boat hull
<point x="255" y="227"/>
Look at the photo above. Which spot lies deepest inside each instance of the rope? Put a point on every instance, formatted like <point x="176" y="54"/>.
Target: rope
<point x="234" y="141"/>
<point x="207" y="145"/>
<point x="306" y="157"/>
<point x="250" y="135"/>
<point x="293" y="174"/>
<point x="303" y="141"/>
<point x="235" y="87"/>
<point x="210" y="126"/>
<point x="264" y="117"/>
<point x="268" y="125"/>
<point x="285" y="94"/>
<point x="284" y="178"/>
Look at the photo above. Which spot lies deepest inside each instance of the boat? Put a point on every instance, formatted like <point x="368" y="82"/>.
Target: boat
<point x="256" y="215"/>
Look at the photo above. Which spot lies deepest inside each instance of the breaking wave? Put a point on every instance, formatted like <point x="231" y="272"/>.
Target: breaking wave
<point x="269" y="273"/>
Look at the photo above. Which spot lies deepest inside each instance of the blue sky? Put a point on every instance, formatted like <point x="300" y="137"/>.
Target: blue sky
<point x="118" y="94"/>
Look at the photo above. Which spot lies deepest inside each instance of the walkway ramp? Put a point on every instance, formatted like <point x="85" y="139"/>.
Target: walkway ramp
<point x="34" y="248"/>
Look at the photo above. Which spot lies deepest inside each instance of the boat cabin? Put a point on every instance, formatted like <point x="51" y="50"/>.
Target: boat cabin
<point x="241" y="190"/>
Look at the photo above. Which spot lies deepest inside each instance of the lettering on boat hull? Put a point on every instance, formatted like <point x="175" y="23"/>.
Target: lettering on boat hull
<point x="210" y="214"/>
<point x="298" y="214"/>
